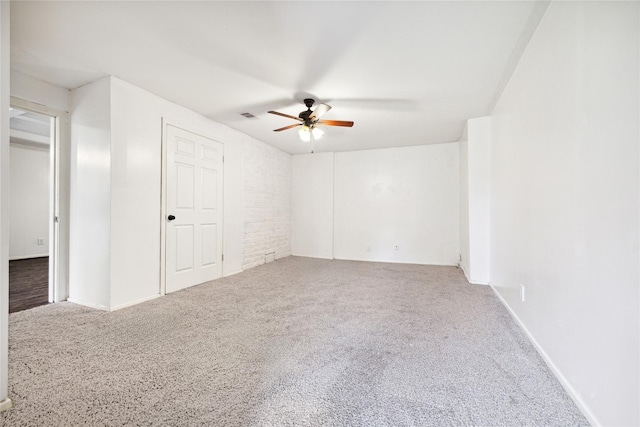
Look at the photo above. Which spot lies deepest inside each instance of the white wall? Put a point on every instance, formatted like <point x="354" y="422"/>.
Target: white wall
<point x="565" y="201"/>
<point x="381" y="198"/>
<point x="29" y="188"/>
<point x="5" y="58"/>
<point x="477" y="158"/>
<point x="398" y="196"/>
<point x="257" y="191"/>
<point x="313" y="205"/>
<point x="136" y="188"/>
<point x="90" y="231"/>
<point x="464" y="206"/>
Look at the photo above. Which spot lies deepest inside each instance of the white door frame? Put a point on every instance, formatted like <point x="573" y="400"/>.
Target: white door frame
<point x="59" y="184"/>
<point x="163" y="200"/>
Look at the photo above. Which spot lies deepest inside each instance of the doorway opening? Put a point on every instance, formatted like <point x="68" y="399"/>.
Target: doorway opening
<point x="33" y="234"/>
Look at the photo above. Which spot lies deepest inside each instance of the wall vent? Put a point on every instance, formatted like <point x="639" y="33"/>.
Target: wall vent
<point x="270" y="257"/>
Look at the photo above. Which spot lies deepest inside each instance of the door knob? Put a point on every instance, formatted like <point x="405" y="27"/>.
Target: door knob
<point x="171" y="217"/>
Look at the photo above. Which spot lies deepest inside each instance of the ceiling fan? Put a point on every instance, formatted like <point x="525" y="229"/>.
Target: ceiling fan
<point x="309" y="120"/>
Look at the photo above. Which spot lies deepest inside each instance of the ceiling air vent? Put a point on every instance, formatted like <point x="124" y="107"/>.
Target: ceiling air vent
<point x="248" y="115"/>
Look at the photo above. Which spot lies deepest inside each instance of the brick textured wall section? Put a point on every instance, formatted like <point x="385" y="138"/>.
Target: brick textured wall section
<point x="266" y="203"/>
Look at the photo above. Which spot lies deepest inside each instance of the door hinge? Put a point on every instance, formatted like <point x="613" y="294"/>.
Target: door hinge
<point x="222" y="257"/>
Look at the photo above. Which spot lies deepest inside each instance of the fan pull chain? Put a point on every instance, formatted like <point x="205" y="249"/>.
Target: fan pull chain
<point x="312" y="139"/>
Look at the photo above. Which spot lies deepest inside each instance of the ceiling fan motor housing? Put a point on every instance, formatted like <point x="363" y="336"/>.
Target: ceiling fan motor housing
<point x="304" y="115"/>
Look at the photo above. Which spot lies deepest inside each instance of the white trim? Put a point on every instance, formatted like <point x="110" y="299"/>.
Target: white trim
<point x="558" y="374"/>
<point x="466" y="275"/>
<point x="393" y="261"/>
<point x="6" y="404"/>
<point x="130" y="303"/>
<point x="5" y="34"/>
<point x="461" y="267"/>
<point x="88" y="304"/>
<point x="319" y="257"/>
<point x="163" y="209"/>
<point x="18" y="258"/>
<point x="59" y="194"/>
<point x="232" y="273"/>
<point x="333" y="206"/>
<point x="35" y="107"/>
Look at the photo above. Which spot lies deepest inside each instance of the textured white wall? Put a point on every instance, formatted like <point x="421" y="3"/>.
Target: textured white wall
<point x="398" y="196"/>
<point x="313" y="205"/>
<point x="266" y="202"/>
<point x="29" y="201"/>
<point x="565" y="201"/>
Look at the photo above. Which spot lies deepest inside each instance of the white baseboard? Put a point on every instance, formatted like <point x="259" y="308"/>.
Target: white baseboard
<point x="311" y="256"/>
<point x="118" y="307"/>
<point x="554" y="369"/>
<point x="17" y="258"/>
<point x="395" y="261"/>
<point x="232" y="273"/>
<point x="473" y="282"/>
<point x="88" y="304"/>
<point x="465" y="273"/>
<point x="6" y="404"/>
<point x="139" y="301"/>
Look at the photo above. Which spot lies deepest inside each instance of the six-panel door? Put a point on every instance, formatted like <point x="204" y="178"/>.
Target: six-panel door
<point x="193" y="209"/>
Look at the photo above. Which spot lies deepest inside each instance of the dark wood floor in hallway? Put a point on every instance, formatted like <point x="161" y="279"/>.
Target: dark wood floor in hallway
<point x="28" y="283"/>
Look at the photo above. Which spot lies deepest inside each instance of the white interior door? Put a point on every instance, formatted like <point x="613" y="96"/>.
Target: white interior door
<point x="193" y="209"/>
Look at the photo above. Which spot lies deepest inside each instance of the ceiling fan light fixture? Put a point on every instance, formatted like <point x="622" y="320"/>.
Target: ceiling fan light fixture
<point x="304" y="133"/>
<point x="317" y="133"/>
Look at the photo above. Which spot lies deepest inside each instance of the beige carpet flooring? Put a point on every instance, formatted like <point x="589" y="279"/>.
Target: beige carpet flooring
<point x="295" y="342"/>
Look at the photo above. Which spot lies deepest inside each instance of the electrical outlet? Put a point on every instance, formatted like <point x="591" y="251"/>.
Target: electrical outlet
<point x="40" y="241"/>
<point x="522" y="294"/>
<point x="369" y="248"/>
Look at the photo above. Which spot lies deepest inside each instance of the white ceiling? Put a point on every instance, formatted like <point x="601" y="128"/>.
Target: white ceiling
<point x="407" y="73"/>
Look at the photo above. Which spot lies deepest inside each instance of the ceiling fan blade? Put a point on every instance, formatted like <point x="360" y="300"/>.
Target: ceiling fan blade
<point x="336" y="123"/>
<point x="287" y="127"/>
<point x="285" y="115"/>
<point x="319" y="111"/>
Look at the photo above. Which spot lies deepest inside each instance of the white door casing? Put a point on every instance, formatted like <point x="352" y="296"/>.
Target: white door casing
<point x="193" y="211"/>
<point x="58" y="196"/>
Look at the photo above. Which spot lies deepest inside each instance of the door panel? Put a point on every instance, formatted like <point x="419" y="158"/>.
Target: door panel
<point x="194" y="198"/>
<point x="184" y="186"/>
<point x="209" y="189"/>
<point x="184" y="247"/>
<point x="209" y="238"/>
